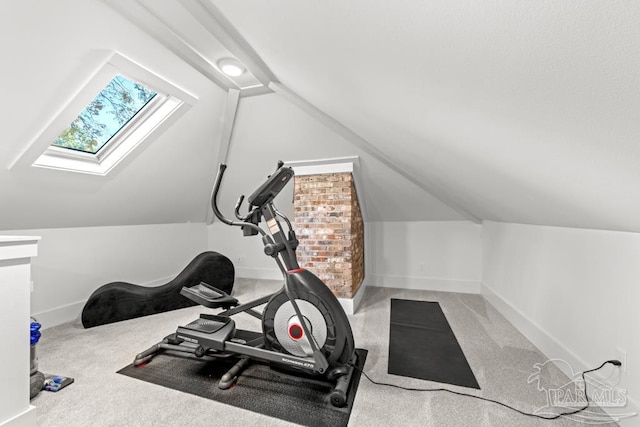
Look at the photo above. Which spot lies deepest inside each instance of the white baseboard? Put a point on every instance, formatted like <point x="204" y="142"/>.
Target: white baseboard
<point x="426" y="283"/>
<point x="259" y="273"/>
<point x="58" y="315"/>
<point x="553" y="349"/>
<point x="70" y="312"/>
<point x="26" y="419"/>
<point x="350" y="305"/>
<point x="538" y="336"/>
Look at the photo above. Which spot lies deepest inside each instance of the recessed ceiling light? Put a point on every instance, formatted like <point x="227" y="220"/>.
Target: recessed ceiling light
<point x="231" y="67"/>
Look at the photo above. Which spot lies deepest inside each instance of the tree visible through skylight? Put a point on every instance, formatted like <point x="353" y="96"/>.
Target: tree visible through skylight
<point x="103" y="118"/>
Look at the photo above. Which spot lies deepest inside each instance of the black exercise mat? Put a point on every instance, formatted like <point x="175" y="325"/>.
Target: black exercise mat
<point x="422" y="345"/>
<point x="259" y="389"/>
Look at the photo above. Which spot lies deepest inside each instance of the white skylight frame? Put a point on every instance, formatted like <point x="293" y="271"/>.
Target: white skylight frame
<point x="162" y="111"/>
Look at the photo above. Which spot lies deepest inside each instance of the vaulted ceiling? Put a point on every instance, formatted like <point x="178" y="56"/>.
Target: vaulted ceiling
<point x="501" y="110"/>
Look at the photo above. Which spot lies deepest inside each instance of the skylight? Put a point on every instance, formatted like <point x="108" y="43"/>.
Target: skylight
<point x="109" y="112"/>
<point x="113" y="117"/>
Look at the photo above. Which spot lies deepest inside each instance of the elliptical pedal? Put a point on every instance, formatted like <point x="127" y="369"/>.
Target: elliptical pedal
<point x="208" y="332"/>
<point x="209" y="296"/>
<point x="208" y="324"/>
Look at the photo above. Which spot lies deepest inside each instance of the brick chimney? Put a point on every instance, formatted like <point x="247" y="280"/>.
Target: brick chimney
<point x="329" y="225"/>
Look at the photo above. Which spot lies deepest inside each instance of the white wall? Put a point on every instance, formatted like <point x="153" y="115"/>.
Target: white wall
<point x="74" y="262"/>
<point x="573" y="292"/>
<point x="246" y="253"/>
<point x="395" y="251"/>
<point x="433" y="255"/>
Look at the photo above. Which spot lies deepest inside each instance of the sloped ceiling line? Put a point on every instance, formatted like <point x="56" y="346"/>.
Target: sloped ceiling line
<point x="149" y="21"/>
<point x="216" y="23"/>
<point x="152" y="24"/>
<point x="157" y="27"/>
<point x="364" y="145"/>
<point x="219" y="27"/>
<point x="230" y="111"/>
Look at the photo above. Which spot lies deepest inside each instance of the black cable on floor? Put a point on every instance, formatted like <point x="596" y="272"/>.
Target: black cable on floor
<point x="552" y="417"/>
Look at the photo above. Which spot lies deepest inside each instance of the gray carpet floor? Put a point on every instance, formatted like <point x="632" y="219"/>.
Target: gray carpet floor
<point x="502" y="360"/>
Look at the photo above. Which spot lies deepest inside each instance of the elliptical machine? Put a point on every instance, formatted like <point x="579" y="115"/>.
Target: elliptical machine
<point x="304" y="328"/>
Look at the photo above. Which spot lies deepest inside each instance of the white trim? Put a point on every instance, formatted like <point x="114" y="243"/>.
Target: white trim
<point x="547" y="344"/>
<point x="208" y="15"/>
<point x="172" y="103"/>
<point x="102" y="164"/>
<point x="351" y="305"/>
<point x="228" y="124"/>
<point x="59" y="315"/>
<point x="254" y="91"/>
<point x="201" y="53"/>
<point x="534" y="333"/>
<point x="350" y="164"/>
<point x="19" y="239"/>
<point x="27" y="418"/>
<point x="426" y="283"/>
<point x="230" y="112"/>
<point x="17" y="247"/>
<point x="259" y="273"/>
<point x="148" y="21"/>
<point x="323" y="166"/>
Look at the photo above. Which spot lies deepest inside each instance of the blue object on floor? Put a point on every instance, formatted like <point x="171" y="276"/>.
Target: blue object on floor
<point x="35" y="332"/>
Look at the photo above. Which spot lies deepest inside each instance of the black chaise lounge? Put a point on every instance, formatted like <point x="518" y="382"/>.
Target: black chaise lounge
<point x="118" y="301"/>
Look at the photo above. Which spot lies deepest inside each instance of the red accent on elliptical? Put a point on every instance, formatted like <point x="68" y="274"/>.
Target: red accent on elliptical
<point x="295" y="332"/>
<point x="297" y="270"/>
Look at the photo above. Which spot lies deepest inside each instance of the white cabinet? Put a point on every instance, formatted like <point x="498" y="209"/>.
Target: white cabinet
<point x="15" y="293"/>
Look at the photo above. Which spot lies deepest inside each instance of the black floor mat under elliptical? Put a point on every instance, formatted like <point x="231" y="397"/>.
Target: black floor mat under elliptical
<point x="422" y="345"/>
<point x="259" y="389"/>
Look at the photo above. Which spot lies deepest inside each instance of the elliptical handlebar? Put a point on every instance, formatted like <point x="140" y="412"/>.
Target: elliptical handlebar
<point x="216" y="211"/>
<point x="237" y="209"/>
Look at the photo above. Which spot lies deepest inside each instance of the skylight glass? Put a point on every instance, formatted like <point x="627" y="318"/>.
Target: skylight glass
<point x="122" y="108"/>
<point x="110" y="111"/>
